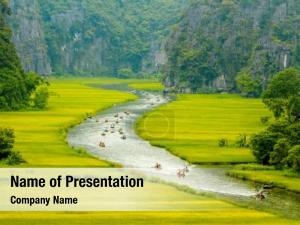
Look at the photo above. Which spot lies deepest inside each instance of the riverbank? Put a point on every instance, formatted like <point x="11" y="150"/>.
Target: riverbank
<point x="267" y="175"/>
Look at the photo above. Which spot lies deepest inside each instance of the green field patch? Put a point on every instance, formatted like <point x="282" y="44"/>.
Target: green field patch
<point x="191" y="126"/>
<point x="149" y="86"/>
<point x="40" y="135"/>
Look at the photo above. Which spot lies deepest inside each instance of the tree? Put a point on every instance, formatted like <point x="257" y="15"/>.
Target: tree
<point x="280" y="152"/>
<point x="7" y="140"/>
<point x="282" y="91"/>
<point x="293" y="158"/>
<point x="262" y="145"/>
<point x="248" y="86"/>
<point x="16" y="87"/>
<point x="278" y="144"/>
<point x="294" y="108"/>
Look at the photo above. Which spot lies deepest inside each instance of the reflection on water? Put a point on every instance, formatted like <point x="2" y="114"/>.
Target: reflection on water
<point x="113" y="130"/>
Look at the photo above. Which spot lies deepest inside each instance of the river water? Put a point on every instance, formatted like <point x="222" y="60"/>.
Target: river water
<point x="114" y="128"/>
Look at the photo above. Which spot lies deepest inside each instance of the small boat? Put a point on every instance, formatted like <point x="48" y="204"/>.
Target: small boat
<point x="123" y="137"/>
<point x="180" y="173"/>
<point x="261" y="195"/>
<point x="102" y="144"/>
<point x="268" y="186"/>
<point x="157" y="166"/>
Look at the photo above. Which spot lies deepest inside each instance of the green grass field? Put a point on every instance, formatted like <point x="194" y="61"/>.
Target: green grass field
<point x="191" y="126"/>
<point x="149" y="86"/>
<point x="40" y="135"/>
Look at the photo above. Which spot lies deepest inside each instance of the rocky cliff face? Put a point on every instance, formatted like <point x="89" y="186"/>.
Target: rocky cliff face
<point x="92" y="37"/>
<point x="28" y="36"/>
<point x="218" y="39"/>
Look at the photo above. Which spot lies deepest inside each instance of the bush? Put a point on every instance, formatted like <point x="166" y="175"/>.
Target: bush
<point x="264" y="119"/>
<point x="280" y="152"/>
<point x="14" y="158"/>
<point x="40" y="97"/>
<point x="223" y="142"/>
<point x="293" y="158"/>
<point x="7" y="139"/>
<point x="242" y="141"/>
<point x="262" y="145"/>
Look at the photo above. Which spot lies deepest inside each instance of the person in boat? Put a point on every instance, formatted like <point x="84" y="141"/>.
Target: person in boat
<point x="102" y="144"/>
<point x="261" y="195"/>
<point x="157" y="166"/>
<point x="186" y="169"/>
<point x="180" y="173"/>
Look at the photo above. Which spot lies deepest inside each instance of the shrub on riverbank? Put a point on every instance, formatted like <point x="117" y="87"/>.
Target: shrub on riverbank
<point x="7" y="140"/>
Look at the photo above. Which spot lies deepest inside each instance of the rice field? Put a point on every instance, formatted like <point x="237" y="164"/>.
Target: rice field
<point x="40" y="135"/>
<point x="192" y="125"/>
<point x="148" y="86"/>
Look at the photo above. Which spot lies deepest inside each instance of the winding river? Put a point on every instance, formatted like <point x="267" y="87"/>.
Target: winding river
<point x="114" y="129"/>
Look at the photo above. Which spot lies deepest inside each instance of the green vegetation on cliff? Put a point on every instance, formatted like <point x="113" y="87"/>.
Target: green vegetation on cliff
<point x="15" y="86"/>
<point x="216" y="40"/>
<point x="93" y="37"/>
